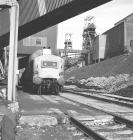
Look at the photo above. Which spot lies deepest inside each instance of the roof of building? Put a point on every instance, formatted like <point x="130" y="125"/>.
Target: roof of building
<point x="128" y="18"/>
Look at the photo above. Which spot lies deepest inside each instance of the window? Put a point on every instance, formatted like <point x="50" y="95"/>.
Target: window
<point x="131" y="43"/>
<point x="38" y="41"/>
<point x="49" y="64"/>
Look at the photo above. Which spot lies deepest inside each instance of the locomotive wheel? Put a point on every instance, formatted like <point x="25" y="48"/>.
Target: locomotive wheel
<point x="34" y="89"/>
<point x="60" y="88"/>
<point x="56" y="89"/>
<point x="46" y="90"/>
<point x="39" y="91"/>
<point x="52" y="89"/>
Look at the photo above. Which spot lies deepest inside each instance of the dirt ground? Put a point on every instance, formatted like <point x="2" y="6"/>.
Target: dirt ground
<point x="47" y="133"/>
<point x="58" y="132"/>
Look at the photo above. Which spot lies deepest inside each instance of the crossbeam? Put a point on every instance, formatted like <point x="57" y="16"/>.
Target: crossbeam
<point x="7" y="3"/>
<point x="50" y="18"/>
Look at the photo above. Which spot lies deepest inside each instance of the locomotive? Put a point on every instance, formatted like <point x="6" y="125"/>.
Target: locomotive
<point x="43" y="73"/>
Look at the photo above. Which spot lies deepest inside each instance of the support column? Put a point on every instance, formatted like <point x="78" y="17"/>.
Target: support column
<point x="12" y="68"/>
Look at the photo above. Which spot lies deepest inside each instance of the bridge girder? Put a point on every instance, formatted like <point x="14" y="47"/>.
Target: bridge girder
<point x="71" y="9"/>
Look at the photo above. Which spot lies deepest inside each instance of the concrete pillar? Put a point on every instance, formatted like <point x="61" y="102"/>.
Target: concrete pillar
<point x="12" y="68"/>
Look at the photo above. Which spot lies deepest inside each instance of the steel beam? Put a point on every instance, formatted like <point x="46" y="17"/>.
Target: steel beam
<point x="12" y="68"/>
<point x="7" y="3"/>
<point x="48" y="19"/>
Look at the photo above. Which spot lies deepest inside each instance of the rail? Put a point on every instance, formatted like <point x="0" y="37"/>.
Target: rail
<point x="86" y="130"/>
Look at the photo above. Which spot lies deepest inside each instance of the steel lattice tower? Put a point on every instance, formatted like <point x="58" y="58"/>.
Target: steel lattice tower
<point x="89" y="33"/>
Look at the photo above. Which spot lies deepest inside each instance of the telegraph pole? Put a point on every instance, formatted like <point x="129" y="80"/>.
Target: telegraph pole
<point x="12" y="67"/>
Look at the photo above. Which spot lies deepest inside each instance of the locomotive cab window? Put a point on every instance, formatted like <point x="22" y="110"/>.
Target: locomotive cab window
<point x="49" y="64"/>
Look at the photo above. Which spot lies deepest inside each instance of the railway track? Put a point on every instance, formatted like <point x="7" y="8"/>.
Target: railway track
<point x="104" y="97"/>
<point x="78" y="128"/>
<point x="108" y="131"/>
<point x="117" y="128"/>
<point x="86" y="131"/>
<point x="87" y="126"/>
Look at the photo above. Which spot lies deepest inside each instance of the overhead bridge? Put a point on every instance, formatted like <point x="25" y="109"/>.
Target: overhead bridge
<point x="37" y="15"/>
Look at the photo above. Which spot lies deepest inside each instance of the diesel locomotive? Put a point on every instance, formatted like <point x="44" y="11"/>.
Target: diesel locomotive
<point x="43" y="73"/>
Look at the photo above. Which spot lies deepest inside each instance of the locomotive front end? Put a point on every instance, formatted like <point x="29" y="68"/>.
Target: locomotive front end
<point x="47" y="77"/>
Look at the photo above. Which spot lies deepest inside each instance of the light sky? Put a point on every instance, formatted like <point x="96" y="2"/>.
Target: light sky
<point x="105" y="16"/>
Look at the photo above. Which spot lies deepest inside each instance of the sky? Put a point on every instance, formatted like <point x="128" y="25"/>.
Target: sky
<point x="105" y="16"/>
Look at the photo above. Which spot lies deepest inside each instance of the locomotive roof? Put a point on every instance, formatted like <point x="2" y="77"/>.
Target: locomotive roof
<point x="39" y="53"/>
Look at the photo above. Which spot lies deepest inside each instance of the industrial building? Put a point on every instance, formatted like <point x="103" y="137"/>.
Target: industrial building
<point x="115" y="41"/>
<point x="37" y="41"/>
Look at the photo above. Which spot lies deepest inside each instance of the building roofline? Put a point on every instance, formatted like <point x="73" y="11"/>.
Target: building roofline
<point x="124" y="19"/>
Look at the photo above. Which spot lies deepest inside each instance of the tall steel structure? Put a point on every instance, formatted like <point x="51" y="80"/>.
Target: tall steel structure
<point x="89" y="33"/>
<point x="68" y="41"/>
<point x="68" y="44"/>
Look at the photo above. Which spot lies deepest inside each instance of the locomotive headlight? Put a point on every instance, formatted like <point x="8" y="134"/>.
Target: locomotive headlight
<point x="35" y="72"/>
<point x="61" y="78"/>
<point x="61" y="73"/>
<point x="37" y="80"/>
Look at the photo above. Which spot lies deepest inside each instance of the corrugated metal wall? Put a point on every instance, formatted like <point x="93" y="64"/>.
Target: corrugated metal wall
<point x="96" y="48"/>
<point x="115" y="41"/>
<point x="129" y="33"/>
<point x="29" y="10"/>
<point x="4" y="21"/>
<point x="32" y="9"/>
<point x="50" y="34"/>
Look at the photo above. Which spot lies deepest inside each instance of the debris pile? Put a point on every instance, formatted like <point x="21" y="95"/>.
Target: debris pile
<point x="107" y="84"/>
<point x="38" y="120"/>
<point x="3" y="93"/>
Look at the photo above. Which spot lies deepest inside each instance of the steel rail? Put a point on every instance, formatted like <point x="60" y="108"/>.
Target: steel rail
<point x="120" y="119"/>
<point x="121" y="98"/>
<point x="103" y="99"/>
<point x="117" y="118"/>
<point x="86" y="130"/>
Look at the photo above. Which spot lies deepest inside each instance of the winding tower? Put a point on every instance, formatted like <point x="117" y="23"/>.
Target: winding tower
<point x="89" y="33"/>
<point x="68" y="41"/>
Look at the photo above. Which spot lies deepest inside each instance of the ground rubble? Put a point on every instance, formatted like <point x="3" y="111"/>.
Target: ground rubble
<point x="16" y="126"/>
<point x="8" y="115"/>
<point x="40" y="127"/>
<point x="108" y="85"/>
<point x="7" y="122"/>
